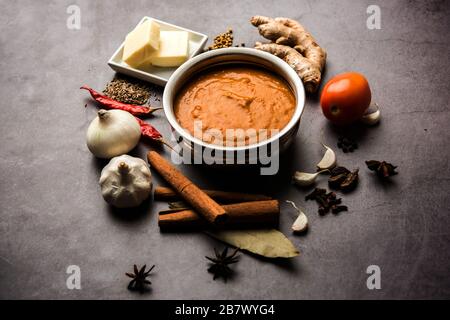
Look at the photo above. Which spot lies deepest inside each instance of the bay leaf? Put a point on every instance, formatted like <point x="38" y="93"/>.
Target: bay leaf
<point x="268" y="243"/>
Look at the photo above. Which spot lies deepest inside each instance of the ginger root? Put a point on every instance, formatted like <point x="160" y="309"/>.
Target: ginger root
<point x="295" y="45"/>
<point x="309" y="74"/>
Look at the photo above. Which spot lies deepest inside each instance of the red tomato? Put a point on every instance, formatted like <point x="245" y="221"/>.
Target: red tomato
<point x="345" y="98"/>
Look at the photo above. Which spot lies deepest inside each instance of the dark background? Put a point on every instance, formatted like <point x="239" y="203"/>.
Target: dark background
<point x="53" y="215"/>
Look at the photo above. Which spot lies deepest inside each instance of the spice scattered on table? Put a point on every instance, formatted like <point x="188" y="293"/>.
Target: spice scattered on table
<point x="347" y="144"/>
<point x="139" y="276"/>
<point x="383" y="169"/>
<point x="193" y="207"/>
<point x="109" y="103"/>
<point x="221" y="262"/>
<point x="343" y="179"/>
<point x="223" y="40"/>
<point x="327" y="201"/>
<point x="128" y="90"/>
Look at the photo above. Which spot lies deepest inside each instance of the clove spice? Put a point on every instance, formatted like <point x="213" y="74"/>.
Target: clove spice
<point x="327" y="201"/>
<point x="347" y="144"/>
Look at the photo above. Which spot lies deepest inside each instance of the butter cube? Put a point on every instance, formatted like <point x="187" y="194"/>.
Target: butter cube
<point x="173" y="49"/>
<point x="141" y="43"/>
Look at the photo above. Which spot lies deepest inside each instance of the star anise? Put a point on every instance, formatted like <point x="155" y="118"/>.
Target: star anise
<point x="220" y="264"/>
<point x="327" y="201"/>
<point x="382" y="168"/>
<point x="139" y="282"/>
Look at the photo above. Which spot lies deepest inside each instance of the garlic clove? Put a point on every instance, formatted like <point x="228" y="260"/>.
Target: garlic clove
<point x="301" y="223"/>
<point x="372" y="116"/>
<point x="304" y="179"/>
<point x="329" y="159"/>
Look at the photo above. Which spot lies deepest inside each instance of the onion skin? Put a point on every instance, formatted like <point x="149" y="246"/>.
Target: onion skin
<point x="112" y="133"/>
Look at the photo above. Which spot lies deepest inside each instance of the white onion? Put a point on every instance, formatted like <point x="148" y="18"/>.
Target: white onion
<point x="112" y="133"/>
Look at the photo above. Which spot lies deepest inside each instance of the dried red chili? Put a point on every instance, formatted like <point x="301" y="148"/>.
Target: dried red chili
<point x="109" y="103"/>
<point x="148" y="131"/>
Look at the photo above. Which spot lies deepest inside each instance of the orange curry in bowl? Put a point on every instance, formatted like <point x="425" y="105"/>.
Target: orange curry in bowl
<point x="250" y="100"/>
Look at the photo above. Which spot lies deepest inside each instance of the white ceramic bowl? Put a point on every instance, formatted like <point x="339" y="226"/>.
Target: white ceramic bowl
<point x="235" y="56"/>
<point x="157" y="75"/>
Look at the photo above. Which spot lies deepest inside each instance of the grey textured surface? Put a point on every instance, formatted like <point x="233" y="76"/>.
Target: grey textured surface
<point x="53" y="216"/>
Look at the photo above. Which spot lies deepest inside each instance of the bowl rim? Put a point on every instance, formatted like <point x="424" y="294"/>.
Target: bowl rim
<point x="169" y="93"/>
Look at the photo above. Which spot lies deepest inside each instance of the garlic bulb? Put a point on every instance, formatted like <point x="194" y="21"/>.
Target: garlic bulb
<point x="125" y="181"/>
<point x="112" y="133"/>
<point x="329" y="159"/>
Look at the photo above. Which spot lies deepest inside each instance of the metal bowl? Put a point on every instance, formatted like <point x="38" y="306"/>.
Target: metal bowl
<point x="235" y="56"/>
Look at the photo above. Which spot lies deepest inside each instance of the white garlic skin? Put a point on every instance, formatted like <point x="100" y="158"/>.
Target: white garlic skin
<point x="304" y="179"/>
<point x="125" y="182"/>
<point x="372" y="119"/>
<point x="329" y="159"/>
<point x="112" y="133"/>
<point x="301" y="223"/>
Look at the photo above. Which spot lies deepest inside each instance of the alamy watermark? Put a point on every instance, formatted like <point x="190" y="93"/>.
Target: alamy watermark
<point x="228" y="147"/>
<point x="373" y="21"/>
<point x="374" y="279"/>
<point x="74" y="279"/>
<point x="74" y="19"/>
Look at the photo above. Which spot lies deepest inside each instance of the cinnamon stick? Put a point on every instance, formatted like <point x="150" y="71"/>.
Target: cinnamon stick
<point x="255" y="213"/>
<point x="168" y="194"/>
<point x="199" y="200"/>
